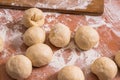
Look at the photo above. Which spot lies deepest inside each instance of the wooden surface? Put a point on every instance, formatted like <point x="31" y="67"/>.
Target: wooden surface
<point x="108" y="26"/>
<point x="65" y="6"/>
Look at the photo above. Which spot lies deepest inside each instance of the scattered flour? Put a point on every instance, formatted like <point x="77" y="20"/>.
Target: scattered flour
<point x="72" y="58"/>
<point x="50" y="19"/>
<point x="51" y="14"/>
<point x="13" y="3"/>
<point x="97" y="21"/>
<point x="46" y="28"/>
<point x="80" y="4"/>
<point x="88" y="57"/>
<point x="3" y="32"/>
<point x="8" y="16"/>
<point x="58" y="61"/>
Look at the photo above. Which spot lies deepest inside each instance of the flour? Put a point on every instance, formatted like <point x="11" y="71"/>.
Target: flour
<point x="81" y="4"/>
<point x="64" y="4"/>
<point x="38" y="75"/>
<point x="5" y="53"/>
<point x="13" y="3"/>
<point x="116" y="32"/>
<point x="46" y="28"/>
<point x="3" y="32"/>
<point x="97" y="21"/>
<point x="72" y="58"/>
<point x="112" y="12"/>
<point x="88" y="57"/>
<point x="58" y="61"/>
<point x="8" y="16"/>
<point x="50" y="19"/>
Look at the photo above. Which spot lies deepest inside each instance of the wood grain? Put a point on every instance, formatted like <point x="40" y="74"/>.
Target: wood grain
<point x="95" y="7"/>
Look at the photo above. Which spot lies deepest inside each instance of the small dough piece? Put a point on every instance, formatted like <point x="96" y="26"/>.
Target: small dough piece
<point x="1" y="44"/>
<point x="71" y="73"/>
<point x="60" y="35"/>
<point x="117" y="58"/>
<point x="40" y="54"/>
<point x="104" y="68"/>
<point x="34" y="35"/>
<point x="19" y="67"/>
<point x="86" y="37"/>
<point x="33" y="17"/>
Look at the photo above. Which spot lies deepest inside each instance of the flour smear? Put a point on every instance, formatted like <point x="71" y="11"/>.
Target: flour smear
<point x="65" y="4"/>
<point x="88" y="57"/>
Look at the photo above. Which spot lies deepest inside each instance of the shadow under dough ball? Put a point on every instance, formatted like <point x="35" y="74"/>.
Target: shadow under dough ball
<point x="59" y="36"/>
<point x="34" y="35"/>
<point x="19" y="67"/>
<point x="70" y="73"/>
<point x="86" y="37"/>
<point x="117" y="58"/>
<point x="104" y="68"/>
<point x="40" y="54"/>
<point x="33" y="17"/>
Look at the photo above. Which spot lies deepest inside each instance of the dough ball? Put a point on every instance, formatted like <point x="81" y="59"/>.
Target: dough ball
<point x="1" y="44"/>
<point x="86" y="37"/>
<point x="33" y="17"/>
<point x="117" y="58"/>
<point x="60" y="35"/>
<point x="34" y="35"/>
<point x="19" y="67"/>
<point x="71" y="73"/>
<point x="40" y="54"/>
<point x="104" y="68"/>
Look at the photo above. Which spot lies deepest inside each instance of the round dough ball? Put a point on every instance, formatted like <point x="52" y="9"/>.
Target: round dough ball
<point x="34" y="35"/>
<point x="1" y="44"/>
<point x="104" y="68"/>
<point x="19" y="67"/>
<point x="86" y="37"/>
<point x="33" y="17"/>
<point x="71" y="73"/>
<point x="60" y="35"/>
<point x="117" y="58"/>
<point x="40" y="54"/>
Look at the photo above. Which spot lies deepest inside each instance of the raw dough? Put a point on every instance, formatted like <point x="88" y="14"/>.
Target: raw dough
<point x="19" y="67"/>
<point x="104" y="68"/>
<point x="33" y="17"/>
<point x="1" y="44"/>
<point x="60" y="35"/>
<point x="40" y="54"/>
<point x="34" y="35"/>
<point x="117" y="58"/>
<point x="86" y="37"/>
<point x="71" y="73"/>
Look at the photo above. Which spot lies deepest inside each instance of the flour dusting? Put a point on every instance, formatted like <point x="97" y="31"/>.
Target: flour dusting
<point x="88" y="57"/>
<point x="64" y="4"/>
<point x="8" y="16"/>
<point x="46" y="27"/>
<point x="3" y="32"/>
<point x="58" y="61"/>
<point x="97" y="21"/>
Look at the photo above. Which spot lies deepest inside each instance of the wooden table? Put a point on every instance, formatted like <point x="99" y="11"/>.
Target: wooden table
<point x="108" y="26"/>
